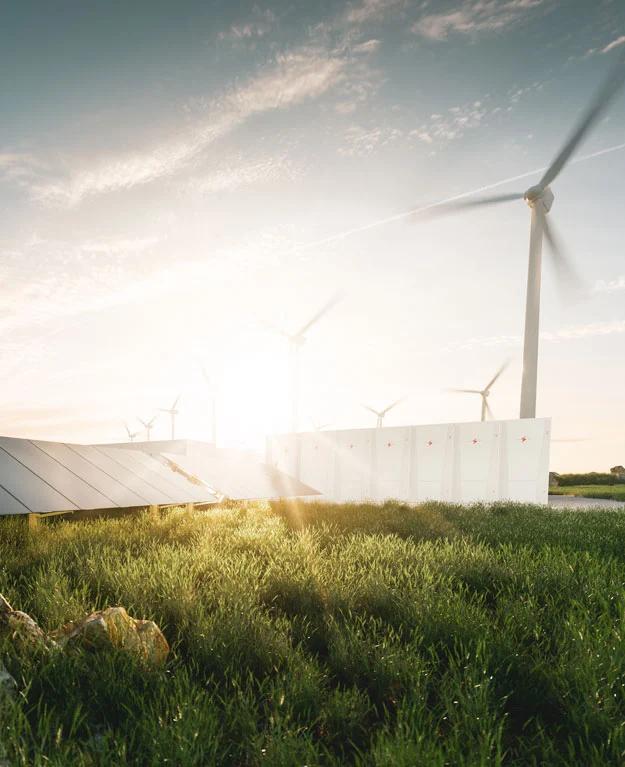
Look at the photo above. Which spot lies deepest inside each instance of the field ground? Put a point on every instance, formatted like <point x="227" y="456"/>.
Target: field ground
<point x="327" y="635"/>
<point x="612" y="492"/>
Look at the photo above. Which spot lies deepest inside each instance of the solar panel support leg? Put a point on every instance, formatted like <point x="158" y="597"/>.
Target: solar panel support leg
<point x="154" y="512"/>
<point x="190" y="508"/>
<point x="33" y="522"/>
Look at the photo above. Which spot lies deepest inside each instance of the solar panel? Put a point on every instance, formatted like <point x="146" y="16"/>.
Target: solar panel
<point x="241" y="480"/>
<point x="143" y="489"/>
<point x="32" y="491"/>
<point x="110" y="487"/>
<point x="58" y="476"/>
<point x="156" y="474"/>
<point x="198" y="493"/>
<point x="10" y="505"/>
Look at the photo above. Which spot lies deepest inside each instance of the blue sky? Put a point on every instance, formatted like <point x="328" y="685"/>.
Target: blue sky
<point x="172" y="173"/>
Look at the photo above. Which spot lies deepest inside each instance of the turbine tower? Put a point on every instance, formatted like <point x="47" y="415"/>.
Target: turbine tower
<point x="148" y="425"/>
<point x="540" y="199"/>
<point x="296" y="341"/>
<point x="380" y="415"/>
<point x="131" y="436"/>
<point x="485" y="392"/>
<point x="173" y="413"/>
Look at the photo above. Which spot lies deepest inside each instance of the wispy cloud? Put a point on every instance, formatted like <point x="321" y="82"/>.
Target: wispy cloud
<point x="19" y="165"/>
<point x="609" y="286"/>
<point x="292" y="79"/>
<point x="473" y="16"/>
<point x="260" y="24"/>
<point x="570" y="333"/>
<point x="238" y="172"/>
<point x="614" y="44"/>
<point x="371" y="9"/>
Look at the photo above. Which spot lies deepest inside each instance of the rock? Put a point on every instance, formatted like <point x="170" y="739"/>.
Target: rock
<point x="113" y="627"/>
<point x="7" y="683"/>
<point x="22" y="630"/>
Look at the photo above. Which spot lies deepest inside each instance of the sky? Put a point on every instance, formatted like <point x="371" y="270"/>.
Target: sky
<point x="174" y="175"/>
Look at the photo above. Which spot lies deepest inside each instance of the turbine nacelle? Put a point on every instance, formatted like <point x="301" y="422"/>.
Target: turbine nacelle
<point x="537" y="192"/>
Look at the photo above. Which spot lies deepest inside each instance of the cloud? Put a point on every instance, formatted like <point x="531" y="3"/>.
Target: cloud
<point x="371" y="9"/>
<point x="119" y="246"/>
<point x="292" y="79"/>
<point x="17" y="166"/>
<point x="615" y="43"/>
<point x="609" y="286"/>
<point x="473" y="16"/>
<point x="258" y="27"/>
<point x="571" y="333"/>
<point x="370" y="46"/>
<point x="237" y="173"/>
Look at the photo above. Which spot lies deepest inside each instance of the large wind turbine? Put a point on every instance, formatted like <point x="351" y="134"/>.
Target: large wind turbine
<point x="173" y="413"/>
<point x="380" y="414"/>
<point x="148" y="425"/>
<point x="131" y="436"/>
<point x="485" y="392"/>
<point x="296" y="341"/>
<point x="540" y="199"/>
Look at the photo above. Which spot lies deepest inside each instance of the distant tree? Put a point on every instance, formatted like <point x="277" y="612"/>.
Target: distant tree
<point x="620" y="470"/>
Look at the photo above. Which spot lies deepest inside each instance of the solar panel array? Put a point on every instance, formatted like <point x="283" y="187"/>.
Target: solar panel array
<point x="41" y="477"/>
<point x="240" y="479"/>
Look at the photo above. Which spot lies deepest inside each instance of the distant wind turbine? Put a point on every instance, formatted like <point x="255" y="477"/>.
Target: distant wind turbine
<point x="319" y="427"/>
<point x="148" y="425"/>
<point x="485" y="392"/>
<point x="380" y="415"/>
<point x="173" y="413"/>
<point x="131" y="436"/>
<point x="296" y="341"/>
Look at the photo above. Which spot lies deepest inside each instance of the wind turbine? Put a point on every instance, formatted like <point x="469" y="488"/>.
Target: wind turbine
<point x="131" y="436"/>
<point x="173" y="413"/>
<point x="320" y="427"/>
<point x="485" y="392"/>
<point x="296" y="341"/>
<point x="148" y="425"/>
<point x="540" y="199"/>
<point x="380" y="415"/>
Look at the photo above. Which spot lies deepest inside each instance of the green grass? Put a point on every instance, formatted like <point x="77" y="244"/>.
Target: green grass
<point x="328" y="635"/>
<point x="606" y="492"/>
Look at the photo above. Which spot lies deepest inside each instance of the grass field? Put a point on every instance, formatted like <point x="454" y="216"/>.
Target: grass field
<point x="606" y="492"/>
<point x="328" y="635"/>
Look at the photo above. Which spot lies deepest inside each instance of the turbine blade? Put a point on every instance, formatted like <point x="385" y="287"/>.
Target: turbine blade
<point x="390" y="407"/>
<point x="464" y="391"/>
<point x="173" y="407"/>
<point x="370" y="409"/>
<point x="326" y="308"/>
<point x="458" y="205"/>
<point x="142" y="422"/>
<point x="127" y="429"/>
<point x="164" y="409"/>
<point x="497" y="374"/>
<point x="609" y="89"/>
<point x="569" y="283"/>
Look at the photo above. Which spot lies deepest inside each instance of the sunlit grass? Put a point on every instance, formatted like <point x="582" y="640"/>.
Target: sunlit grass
<point x="316" y="634"/>
<point x="606" y="492"/>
